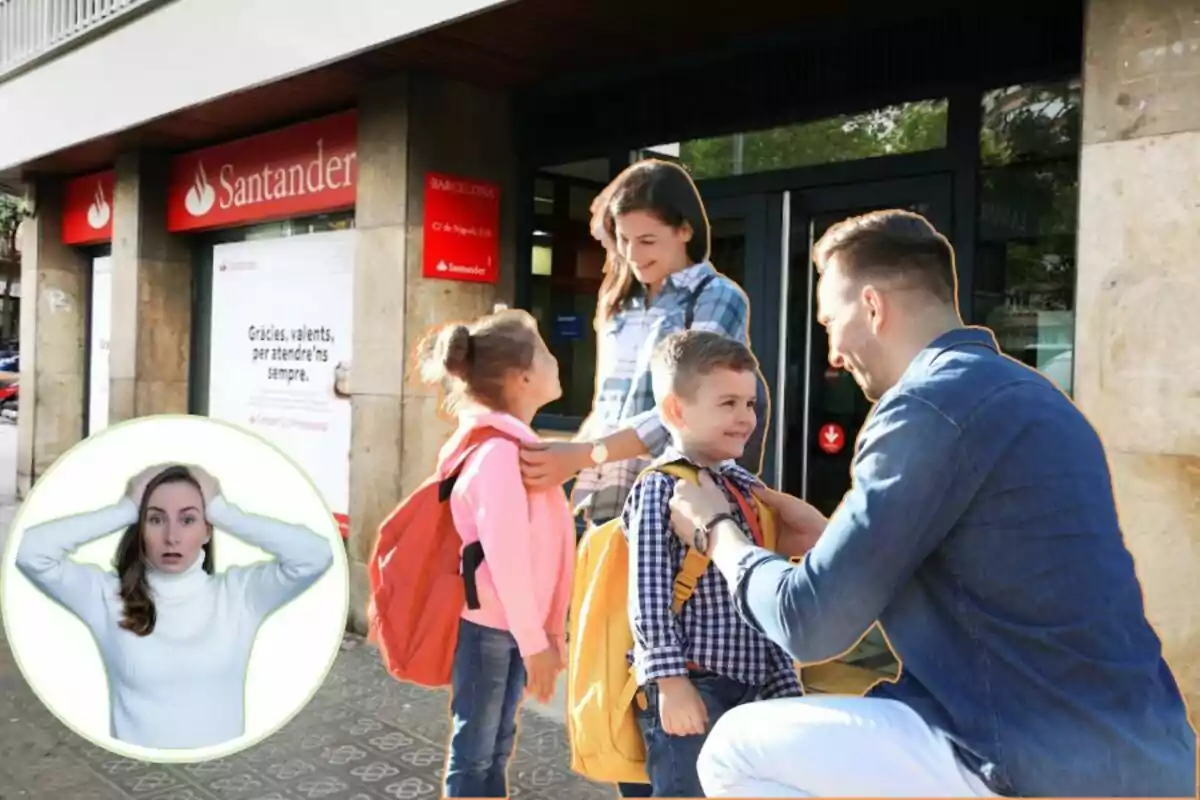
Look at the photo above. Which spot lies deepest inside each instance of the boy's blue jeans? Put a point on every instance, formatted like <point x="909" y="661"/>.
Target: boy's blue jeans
<point x="671" y="760"/>
<point x="487" y="683"/>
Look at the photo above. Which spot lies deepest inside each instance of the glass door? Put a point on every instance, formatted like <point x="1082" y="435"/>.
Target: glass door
<point x="826" y="409"/>
<point x="746" y="246"/>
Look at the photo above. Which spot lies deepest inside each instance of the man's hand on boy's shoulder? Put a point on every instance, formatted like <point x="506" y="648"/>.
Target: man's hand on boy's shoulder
<point x="800" y="524"/>
<point x="695" y="505"/>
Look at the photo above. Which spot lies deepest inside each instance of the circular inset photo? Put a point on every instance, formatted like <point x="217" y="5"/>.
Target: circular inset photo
<point x="174" y="589"/>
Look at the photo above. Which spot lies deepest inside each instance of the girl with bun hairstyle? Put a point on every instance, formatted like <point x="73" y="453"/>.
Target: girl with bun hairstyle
<point x="496" y="374"/>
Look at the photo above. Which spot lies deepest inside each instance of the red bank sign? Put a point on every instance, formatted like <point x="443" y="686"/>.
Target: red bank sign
<point x="88" y="209"/>
<point x="305" y="169"/>
<point x="462" y="229"/>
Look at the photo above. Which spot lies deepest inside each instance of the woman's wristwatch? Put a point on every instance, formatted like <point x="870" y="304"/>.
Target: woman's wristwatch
<point x="702" y="538"/>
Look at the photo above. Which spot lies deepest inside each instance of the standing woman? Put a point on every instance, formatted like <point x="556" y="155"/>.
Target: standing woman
<point x="657" y="280"/>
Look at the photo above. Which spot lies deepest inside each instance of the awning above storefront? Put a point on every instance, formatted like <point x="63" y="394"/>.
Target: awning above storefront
<point x="73" y="127"/>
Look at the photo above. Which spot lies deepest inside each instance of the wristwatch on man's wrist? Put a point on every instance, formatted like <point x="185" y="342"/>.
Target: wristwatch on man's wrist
<point x="702" y="536"/>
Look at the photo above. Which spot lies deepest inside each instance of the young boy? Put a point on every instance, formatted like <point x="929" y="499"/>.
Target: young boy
<point x="694" y="667"/>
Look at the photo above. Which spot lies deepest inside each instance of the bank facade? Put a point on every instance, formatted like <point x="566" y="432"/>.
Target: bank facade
<point x="266" y="247"/>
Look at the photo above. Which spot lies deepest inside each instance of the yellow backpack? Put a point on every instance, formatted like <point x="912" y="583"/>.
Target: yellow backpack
<point x="606" y="743"/>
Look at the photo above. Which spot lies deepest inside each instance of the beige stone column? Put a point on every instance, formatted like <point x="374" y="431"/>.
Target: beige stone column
<point x="377" y="371"/>
<point x="1137" y="371"/>
<point x="150" y="343"/>
<point x="468" y="132"/>
<point x="409" y="125"/>
<point x="53" y="318"/>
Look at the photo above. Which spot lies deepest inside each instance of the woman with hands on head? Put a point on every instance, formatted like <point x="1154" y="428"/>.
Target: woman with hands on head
<point x="175" y="636"/>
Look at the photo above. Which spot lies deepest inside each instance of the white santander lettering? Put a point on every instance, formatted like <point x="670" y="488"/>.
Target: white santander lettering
<point x="281" y="182"/>
<point x="316" y="165"/>
<point x="331" y="173"/>
<point x="225" y="177"/>
<point x="295" y="179"/>
<point x="463" y="187"/>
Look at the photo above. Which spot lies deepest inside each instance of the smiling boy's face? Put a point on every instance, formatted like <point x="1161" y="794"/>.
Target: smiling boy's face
<point x="175" y="529"/>
<point x="714" y="416"/>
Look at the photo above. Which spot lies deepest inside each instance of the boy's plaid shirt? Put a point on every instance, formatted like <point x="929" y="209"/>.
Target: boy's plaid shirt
<point x="624" y="392"/>
<point x="709" y="632"/>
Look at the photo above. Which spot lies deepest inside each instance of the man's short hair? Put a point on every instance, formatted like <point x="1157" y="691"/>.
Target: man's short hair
<point x="892" y="244"/>
<point x="684" y="357"/>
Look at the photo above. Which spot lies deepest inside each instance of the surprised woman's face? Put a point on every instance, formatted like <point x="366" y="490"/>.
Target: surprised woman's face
<point x="174" y="530"/>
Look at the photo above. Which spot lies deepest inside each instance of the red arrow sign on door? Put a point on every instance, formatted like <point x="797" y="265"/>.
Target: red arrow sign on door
<point x="831" y="438"/>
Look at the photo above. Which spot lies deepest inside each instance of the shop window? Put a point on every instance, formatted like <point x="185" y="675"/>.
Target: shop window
<point x="320" y="223"/>
<point x="1029" y="190"/>
<point x="543" y="198"/>
<point x="894" y="130"/>
<point x="566" y="267"/>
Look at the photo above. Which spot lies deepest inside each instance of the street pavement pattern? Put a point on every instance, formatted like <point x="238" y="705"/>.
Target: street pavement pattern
<point x="364" y="736"/>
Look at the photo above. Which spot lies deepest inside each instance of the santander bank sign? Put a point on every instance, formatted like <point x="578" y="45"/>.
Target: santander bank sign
<point x="304" y="169"/>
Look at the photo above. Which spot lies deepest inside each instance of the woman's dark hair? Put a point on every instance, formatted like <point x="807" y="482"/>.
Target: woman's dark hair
<point x="657" y="187"/>
<point x="473" y="361"/>
<point x="130" y="560"/>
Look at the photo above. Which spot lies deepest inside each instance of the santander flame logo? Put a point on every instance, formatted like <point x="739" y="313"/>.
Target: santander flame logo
<point x="100" y="211"/>
<point x="200" y="195"/>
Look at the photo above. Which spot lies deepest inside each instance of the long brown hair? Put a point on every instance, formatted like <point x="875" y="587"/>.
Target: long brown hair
<point x="474" y="361"/>
<point x="130" y="560"/>
<point x="657" y="187"/>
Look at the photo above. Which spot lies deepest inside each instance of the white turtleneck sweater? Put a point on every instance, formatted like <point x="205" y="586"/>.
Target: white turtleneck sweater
<point x="183" y="686"/>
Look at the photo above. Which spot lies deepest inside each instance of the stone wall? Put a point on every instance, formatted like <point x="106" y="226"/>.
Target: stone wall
<point x="1137" y="369"/>
<point x="53" y="314"/>
<point x="410" y="125"/>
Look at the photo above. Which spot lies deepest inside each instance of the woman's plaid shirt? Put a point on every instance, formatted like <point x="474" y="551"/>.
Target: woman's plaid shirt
<point x="624" y="392"/>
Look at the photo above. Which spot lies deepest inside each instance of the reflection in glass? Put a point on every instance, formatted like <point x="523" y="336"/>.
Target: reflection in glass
<point x="1029" y="190"/>
<point x="893" y="130"/>
<point x="727" y="249"/>
<point x="566" y="269"/>
<point x="320" y="223"/>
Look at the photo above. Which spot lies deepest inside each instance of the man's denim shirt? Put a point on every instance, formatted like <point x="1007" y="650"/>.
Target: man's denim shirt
<point x="981" y="532"/>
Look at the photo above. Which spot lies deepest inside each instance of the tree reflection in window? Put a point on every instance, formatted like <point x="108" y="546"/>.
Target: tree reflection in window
<point x="1029" y="190"/>
<point x="904" y="128"/>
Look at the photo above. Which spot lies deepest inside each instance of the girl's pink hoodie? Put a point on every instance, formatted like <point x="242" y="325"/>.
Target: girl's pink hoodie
<point x="528" y="537"/>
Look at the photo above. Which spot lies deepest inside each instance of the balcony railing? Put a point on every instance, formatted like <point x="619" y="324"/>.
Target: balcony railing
<point x="34" y="30"/>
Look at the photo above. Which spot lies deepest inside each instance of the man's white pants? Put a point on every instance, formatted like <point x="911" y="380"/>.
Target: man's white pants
<point x="831" y="746"/>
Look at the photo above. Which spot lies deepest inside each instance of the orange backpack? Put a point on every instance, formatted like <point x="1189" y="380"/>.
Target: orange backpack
<point x="421" y="577"/>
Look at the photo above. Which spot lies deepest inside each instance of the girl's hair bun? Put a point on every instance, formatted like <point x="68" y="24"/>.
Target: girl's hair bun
<point x="454" y="347"/>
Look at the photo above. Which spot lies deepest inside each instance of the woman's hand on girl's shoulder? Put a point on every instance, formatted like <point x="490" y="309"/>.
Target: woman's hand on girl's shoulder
<point x="547" y="464"/>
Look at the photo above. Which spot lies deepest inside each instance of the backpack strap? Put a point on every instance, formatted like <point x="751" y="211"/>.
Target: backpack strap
<point x="472" y="555"/>
<point x="749" y="514"/>
<point x="689" y="313"/>
<point x="695" y="563"/>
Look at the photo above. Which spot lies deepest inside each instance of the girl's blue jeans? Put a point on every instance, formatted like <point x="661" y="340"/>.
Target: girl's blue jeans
<point x="487" y="683"/>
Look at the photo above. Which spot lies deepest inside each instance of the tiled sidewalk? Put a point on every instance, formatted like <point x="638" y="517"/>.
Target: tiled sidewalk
<point x="363" y="737"/>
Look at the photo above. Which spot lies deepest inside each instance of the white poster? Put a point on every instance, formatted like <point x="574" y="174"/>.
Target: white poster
<point x="281" y="335"/>
<point x="101" y="329"/>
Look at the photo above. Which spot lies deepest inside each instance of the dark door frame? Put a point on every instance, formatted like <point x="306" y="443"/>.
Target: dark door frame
<point x="799" y="324"/>
<point x="763" y="217"/>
